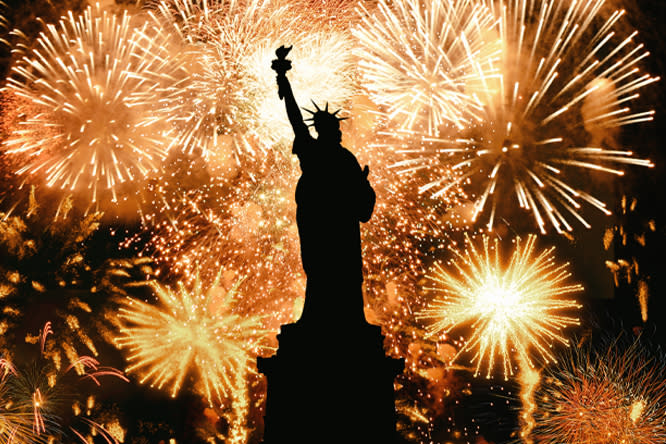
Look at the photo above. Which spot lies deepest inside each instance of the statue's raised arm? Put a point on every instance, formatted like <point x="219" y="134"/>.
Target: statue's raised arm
<point x="281" y="65"/>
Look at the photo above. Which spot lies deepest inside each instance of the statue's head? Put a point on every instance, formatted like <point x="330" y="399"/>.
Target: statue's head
<point x="326" y="124"/>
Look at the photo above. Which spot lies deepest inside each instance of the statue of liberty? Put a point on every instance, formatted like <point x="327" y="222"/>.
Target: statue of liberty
<point x="333" y="195"/>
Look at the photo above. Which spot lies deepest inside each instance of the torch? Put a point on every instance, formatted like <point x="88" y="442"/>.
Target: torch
<point x="281" y="65"/>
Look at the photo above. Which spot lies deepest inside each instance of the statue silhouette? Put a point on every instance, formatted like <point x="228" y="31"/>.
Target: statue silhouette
<point x="332" y="196"/>
<point x="330" y="381"/>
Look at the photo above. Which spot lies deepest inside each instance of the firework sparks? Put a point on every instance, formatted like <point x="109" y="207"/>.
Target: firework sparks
<point x="213" y="108"/>
<point x="423" y="65"/>
<point x="567" y="84"/>
<point x="509" y="307"/>
<point x="406" y="230"/>
<point x="243" y="223"/>
<point x="426" y="62"/>
<point x="196" y="325"/>
<point x="594" y="397"/>
<point x="96" y="81"/>
<point x="16" y="424"/>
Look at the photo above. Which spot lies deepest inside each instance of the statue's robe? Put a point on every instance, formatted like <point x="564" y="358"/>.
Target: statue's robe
<point x="332" y="196"/>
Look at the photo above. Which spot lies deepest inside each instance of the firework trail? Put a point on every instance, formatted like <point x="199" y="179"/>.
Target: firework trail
<point x="508" y="307"/>
<point x="196" y="325"/>
<point x="614" y="395"/>
<point x="529" y="381"/>
<point x="97" y="83"/>
<point x="567" y="84"/>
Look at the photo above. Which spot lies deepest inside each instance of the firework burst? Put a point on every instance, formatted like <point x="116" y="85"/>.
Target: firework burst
<point x="226" y="107"/>
<point x="614" y="395"/>
<point x="16" y="424"/>
<point x="213" y="111"/>
<point x="512" y="307"/>
<point x="568" y="83"/>
<point x="196" y="325"/>
<point x="427" y="62"/>
<point x="47" y="393"/>
<point x="424" y="66"/>
<point x="96" y="82"/>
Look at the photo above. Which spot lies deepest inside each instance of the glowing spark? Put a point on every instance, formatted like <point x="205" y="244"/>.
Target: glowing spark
<point x="637" y="409"/>
<point x="643" y="295"/>
<point x="508" y="307"/>
<point x="601" y="396"/>
<point x="97" y="83"/>
<point x="47" y="331"/>
<point x="567" y="81"/>
<point x="427" y="62"/>
<point x="188" y="329"/>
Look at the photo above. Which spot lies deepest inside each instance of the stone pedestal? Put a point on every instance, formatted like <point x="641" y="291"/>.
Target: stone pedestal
<point x="330" y="383"/>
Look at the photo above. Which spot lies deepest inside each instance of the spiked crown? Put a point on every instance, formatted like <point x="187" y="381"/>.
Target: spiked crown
<point x="323" y="120"/>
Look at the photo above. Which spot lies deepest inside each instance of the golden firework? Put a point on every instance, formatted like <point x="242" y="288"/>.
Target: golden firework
<point x="566" y="82"/>
<point x="427" y="63"/>
<point x="601" y="396"/>
<point x="227" y="101"/>
<point x="510" y="308"/>
<point x="188" y="330"/>
<point x="50" y="397"/>
<point x="97" y="83"/>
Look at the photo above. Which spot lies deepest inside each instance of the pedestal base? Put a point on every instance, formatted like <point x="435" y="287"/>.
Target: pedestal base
<point x="330" y="386"/>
